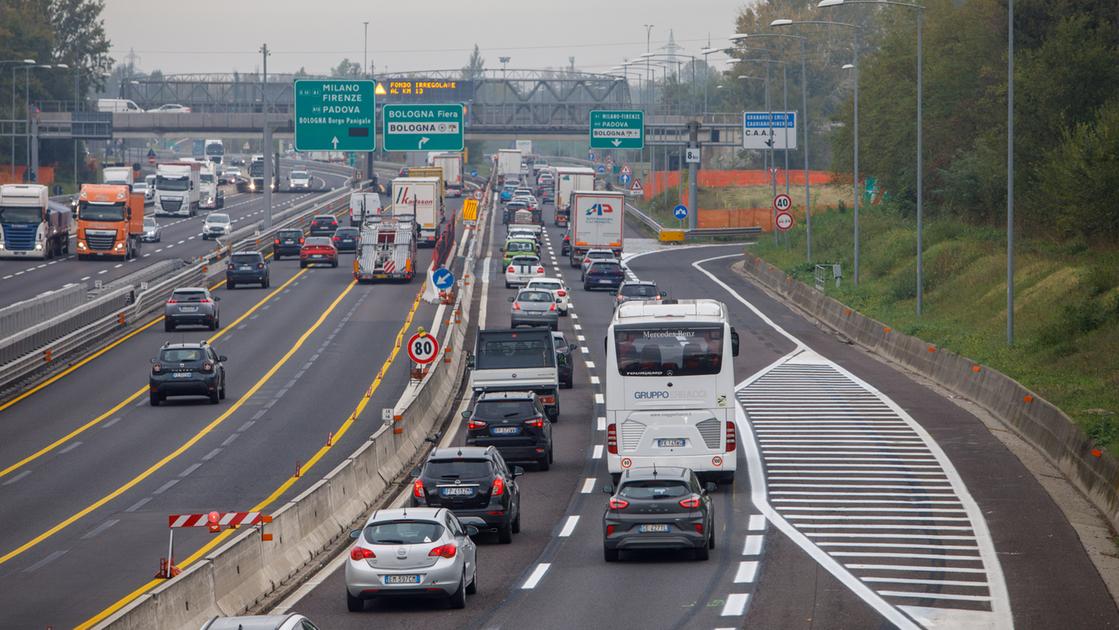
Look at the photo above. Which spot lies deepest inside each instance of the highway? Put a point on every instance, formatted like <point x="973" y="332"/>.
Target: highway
<point x="894" y="508"/>
<point x="89" y="471"/>
<point x="22" y="279"/>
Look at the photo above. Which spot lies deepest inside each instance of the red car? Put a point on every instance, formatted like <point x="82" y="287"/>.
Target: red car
<point x="316" y="250"/>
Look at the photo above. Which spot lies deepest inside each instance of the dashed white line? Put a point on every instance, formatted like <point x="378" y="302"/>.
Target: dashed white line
<point x="536" y="575"/>
<point x="597" y="454"/>
<point x="569" y="526"/>
<point x="757" y="523"/>
<point x="601" y="423"/>
<point x="747" y="571"/>
<point x="752" y="546"/>
<point x="69" y="447"/>
<point x="735" y="605"/>
<point x="588" y="485"/>
<point x="599" y="399"/>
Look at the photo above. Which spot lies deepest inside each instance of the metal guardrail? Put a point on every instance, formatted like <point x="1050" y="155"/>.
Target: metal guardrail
<point x="40" y="346"/>
<point x="24" y="314"/>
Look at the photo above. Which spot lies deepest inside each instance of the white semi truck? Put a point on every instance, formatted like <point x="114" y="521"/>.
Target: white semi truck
<point x="420" y="197"/>
<point x="177" y="188"/>
<point x="508" y="164"/>
<point x="568" y="179"/>
<point x="30" y="226"/>
<point x="597" y="222"/>
<point x="117" y="175"/>
<point x="210" y="195"/>
<point x="451" y="163"/>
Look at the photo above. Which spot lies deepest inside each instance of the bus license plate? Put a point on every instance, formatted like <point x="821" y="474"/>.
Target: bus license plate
<point x="653" y="528"/>
<point x="672" y="442"/>
<point x="402" y="579"/>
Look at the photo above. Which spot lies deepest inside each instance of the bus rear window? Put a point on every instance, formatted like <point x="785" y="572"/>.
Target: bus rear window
<point x="669" y="351"/>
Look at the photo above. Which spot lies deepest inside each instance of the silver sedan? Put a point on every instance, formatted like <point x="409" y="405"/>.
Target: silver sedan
<point x="534" y="307"/>
<point x="413" y="552"/>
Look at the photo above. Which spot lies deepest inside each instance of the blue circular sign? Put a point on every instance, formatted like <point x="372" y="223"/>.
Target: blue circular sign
<point x="601" y="169"/>
<point x="680" y="211"/>
<point x="443" y="278"/>
<point x="624" y="178"/>
<point x="591" y="156"/>
<point x="474" y="173"/>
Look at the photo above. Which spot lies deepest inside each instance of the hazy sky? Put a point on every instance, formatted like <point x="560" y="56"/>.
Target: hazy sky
<point x="213" y="36"/>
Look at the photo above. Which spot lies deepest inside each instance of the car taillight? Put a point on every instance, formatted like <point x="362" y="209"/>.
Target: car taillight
<point x="537" y="422"/>
<point x="691" y="502"/>
<point x="172" y="301"/>
<point x="699" y="528"/>
<point x="300" y="240"/>
<point x="586" y="260"/>
<point x="475" y="424"/>
<point x="207" y="367"/>
<point x="418" y="489"/>
<point x="337" y="239"/>
<point x="277" y="242"/>
<point x="512" y="269"/>
<point x="361" y="553"/>
<point x="516" y="306"/>
<point x="445" y="551"/>
<point x="539" y="270"/>
<point x="618" y="504"/>
<point x="612" y="438"/>
<point x="552" y="307"/>
<point x="610" y="529"/>
<point x="498" y="487"/>
<point x="204" y="301"/>
<point x="547" y="400"/>
<point x="157" y="368"/>
<point x="732" y="437"/>
<point x="561" y="293"/>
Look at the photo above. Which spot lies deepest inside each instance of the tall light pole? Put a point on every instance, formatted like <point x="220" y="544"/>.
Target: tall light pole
<point x="706" y="72"/>
<point x="31" y="172"/>
<point x="920" y="132"/>
<point x="16" y="63"/>
<point x="804" y="113"/>
<point x="365" y="52"/>
<point x="1010" y="174"/>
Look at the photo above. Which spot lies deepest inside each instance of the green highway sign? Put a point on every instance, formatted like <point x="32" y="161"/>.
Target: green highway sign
<point x="334" y="115"/>
<point x="423" y="127"/>
<point x="617" y="129"/>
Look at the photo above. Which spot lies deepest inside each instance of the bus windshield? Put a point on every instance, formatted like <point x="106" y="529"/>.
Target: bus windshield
<point x="669" y="350"/>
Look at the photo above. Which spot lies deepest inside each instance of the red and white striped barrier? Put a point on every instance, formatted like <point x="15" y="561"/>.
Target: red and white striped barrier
<point x="215" y="522"/>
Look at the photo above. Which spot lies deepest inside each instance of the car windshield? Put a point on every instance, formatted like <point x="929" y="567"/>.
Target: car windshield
<point x="457" y="468"/>
<point x="150" y="222"/>
<point x="188" y="296"/>
<point x="208" y="178"/>
<point x="318" y="241"/>
<point x="246" y="259"/>
<point x="520" y="246"/>
<point x="403" y="532"/>
<point x="172" y="183"/>
<point x="639" y="290"/>
<point x="535" y="296"/>
<point x="218" y="218"/>
<point x="669" y="350"/>
<point x="93" y="211"/>
<point x="522" y="261"/>
<point x="181" y="355"/>
<point x="654" y="489"/>
<point x="290" y="234"/>
<point x="513" y="206"/>
<point x="298" y="175"/>
<point x="347" y="232"/>
<point x="503" y="409"/>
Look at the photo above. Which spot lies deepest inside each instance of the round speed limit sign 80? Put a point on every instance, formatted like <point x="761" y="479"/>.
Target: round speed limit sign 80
<point x="782" y="202"/>
<point x="423" y="348"/>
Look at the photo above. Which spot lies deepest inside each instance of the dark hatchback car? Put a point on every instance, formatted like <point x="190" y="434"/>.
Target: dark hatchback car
<point x="287" y="243"/>
<point x="604" y="274"/>
<point x="187" y="369"/>
<point x="472" y="481"/>
<point x="323" y="225"/>
<point x="514" y="423"/>
<point x="346" y="239"/>
<point x="247" y="268"/>
<point x="565" y="362"/>
<point x="658" y="508"/>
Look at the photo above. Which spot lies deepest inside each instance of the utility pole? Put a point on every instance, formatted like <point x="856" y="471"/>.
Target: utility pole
<point x="267" y="148"/>
<point x="693" y="175"/>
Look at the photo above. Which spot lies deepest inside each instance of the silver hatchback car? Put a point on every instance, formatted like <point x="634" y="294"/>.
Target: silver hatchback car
<point x="191" y="306"/>
<point x="413" y="552"/>
<point x="534" y="307"/>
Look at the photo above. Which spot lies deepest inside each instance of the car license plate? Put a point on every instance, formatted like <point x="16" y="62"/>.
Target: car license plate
<point x="182" y="374"/>
<point x="653" y="528"/>
<point x="188" y="309"/>
<point x="316" y="255"/>
<point x="456" y="492"/>
<point x="505" y="430"/>
<point x="246" y="268"/>
<point x="289" y="241"/>
<point x="672" y="442"/>
<point x="402" y="579"/>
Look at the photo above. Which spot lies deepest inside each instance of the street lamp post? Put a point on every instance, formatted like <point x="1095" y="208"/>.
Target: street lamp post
<point x="31" y="171"/>
<point x="16" y="63"/>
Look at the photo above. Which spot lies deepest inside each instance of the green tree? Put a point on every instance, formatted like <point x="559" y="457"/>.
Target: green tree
<point x="475" y="67"/>
<point x="346" y="68"/>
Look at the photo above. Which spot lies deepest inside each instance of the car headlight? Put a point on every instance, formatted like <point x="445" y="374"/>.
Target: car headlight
<point x="119" y="246"/>
<point x="81" y="244"/>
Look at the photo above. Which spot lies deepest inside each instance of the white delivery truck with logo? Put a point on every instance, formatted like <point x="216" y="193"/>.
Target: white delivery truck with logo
<point x="508" y="165"/>
<point x="420" y="197"/>
<point x="568" y="179"/>
<point x="597" y="222"/>
<point x="451" y="163"/>
<point x="177" y="188"/>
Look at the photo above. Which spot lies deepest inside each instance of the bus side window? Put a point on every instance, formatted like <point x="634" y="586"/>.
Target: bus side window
<point x="733" y="341"/>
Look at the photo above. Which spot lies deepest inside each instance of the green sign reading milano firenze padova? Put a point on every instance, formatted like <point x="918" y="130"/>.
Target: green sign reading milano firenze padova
<point x="334" y="115"/>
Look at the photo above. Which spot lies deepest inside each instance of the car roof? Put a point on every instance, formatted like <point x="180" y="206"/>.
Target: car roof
<point x="519" y="395"/>
<point x="460" y="452"/>
<point x="546" y="279"/>
<point x="254" y="622"/>
<point x="324" y="216"/>
<point x="600" y="251"/>
<point x="641" y="282"/>
<point x="657" y="472"/>
<point x="177" y="289"/>
<point x="184" y="345"/>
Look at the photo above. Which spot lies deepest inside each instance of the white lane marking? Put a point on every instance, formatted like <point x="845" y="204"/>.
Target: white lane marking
<point x="757" y="523"/>
<point x="165" y="487"/>
<point x="536" y="576"/>
<point x="590" y="364"/>
<point x="577" y="327"/>
<point x="569" y="526"/>
<point x="69" y="447"/>
<point x="735" y="605"/>
<point x="594" y="380"/>
<point x="597" y="454"/>
<point x="212" y="454"/>
<point x="16" y="478"/>
<point x="747" y="571"/>
<point x="139" y="504"/>
<point x="599" y="400"/>
<point x="193" y="467"/>
<point x="83" y="278"/>
<point x="752" y="546"/>
<point x="112" y="422"/>
<point x="100" y="528"/>
<point x="584" y="350"/>
<point x="45" y="561"/>
<point x="102" y="271"/>
<point x="588" y="485"/>
<point x="601" y="423"/>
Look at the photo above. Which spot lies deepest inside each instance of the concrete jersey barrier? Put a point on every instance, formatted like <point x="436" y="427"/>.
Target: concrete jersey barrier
<point x="1031" y="417"/>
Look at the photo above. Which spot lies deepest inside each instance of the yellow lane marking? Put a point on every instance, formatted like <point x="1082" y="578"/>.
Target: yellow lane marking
<point x="284" y="487"/>
<point x="140" y="392"/>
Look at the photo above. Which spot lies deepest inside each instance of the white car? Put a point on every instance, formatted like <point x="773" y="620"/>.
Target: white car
<point x="558" y="289"/>
<point x="153" y="233"/>
<point x="596" y="254"/>
<point x="171" y="108"/>
<point x="299" y="180"/>
<point x="216" y="224"/>
<point x="522" y="269"/>
<point x="521" y="231"/>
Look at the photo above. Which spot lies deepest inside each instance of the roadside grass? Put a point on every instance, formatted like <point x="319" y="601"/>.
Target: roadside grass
<point x="1066" y="301"/>
<point x="824" y="198"/>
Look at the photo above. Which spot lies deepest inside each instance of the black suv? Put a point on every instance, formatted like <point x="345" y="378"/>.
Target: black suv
<point x="515" y="423"/>
<point x="246" y="267"/>
<point x="472" y="481"/>
<point x="187" y="369"/>
<point x="287" y="243"/>
<point x="607" y="274"/>
<point x="323" y="225"/>
<point x="658" y="508"/>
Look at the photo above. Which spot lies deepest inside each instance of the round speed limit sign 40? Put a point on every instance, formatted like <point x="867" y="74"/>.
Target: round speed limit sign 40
<point x="423" y="348"/>
<point x="782" y="203"/>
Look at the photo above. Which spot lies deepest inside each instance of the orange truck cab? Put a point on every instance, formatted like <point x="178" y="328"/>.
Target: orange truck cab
<point x="110" y="221"/>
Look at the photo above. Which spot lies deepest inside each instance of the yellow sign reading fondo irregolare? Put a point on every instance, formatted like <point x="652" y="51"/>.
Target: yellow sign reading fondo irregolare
<point x="470" y="210"/>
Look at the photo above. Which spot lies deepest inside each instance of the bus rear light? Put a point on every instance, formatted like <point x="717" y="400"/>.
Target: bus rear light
<point x="612" y="438"/>
<point x="732" y="436"/>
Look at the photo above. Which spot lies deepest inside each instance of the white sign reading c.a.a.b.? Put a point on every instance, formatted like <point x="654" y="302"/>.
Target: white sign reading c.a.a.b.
<point x="762" y="129"/>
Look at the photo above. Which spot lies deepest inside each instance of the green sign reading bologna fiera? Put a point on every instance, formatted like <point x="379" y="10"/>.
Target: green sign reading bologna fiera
<point x="334" y="115"/>
<point x="423" y="127"/>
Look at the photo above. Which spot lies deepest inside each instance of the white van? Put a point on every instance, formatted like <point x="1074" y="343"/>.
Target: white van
<point x="118" y="106"/>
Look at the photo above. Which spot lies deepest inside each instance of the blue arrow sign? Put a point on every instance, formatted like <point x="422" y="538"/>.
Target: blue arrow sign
<point x="601" y="169"/>
<point x="474" y="173"/>
<point x="591" y="156"/>
<point x="624" y="178"/>
<point x="443" y="278"/>
<point x="680" y="212"/>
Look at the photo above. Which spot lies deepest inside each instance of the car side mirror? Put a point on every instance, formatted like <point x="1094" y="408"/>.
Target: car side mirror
<point x="465" y="414"/>
<point x="709" y="487"/>
<point x="416" y="471"/>
<point x="733" y="341"/>
<point x="354" y="534"/>
<point x="471" y="530"/>
<point x="154" y="360"/>
<point x="518" y="471"/>
<point x="663" y="294"/>
<point x="607" y="488"/>
<point x="223" y="358"/>
<point x="512" y="299"/>
<point x="573" y="346"/>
